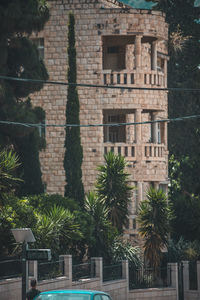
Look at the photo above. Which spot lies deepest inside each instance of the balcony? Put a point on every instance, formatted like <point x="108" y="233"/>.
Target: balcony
<point x="134" y="78"/>
<point x="132" y="152"/>
<point x="154" y="152"/>
<point x="126" y="150"/>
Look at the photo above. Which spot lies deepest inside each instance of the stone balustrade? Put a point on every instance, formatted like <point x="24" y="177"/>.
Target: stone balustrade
<point x="125" y="150"/>
<point x="125" y="77"/>
<point x="151" y="152"/>
<point x="154" y="152"/>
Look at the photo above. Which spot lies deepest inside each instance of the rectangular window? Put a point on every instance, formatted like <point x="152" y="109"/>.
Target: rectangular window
<point x="112" y="50"/>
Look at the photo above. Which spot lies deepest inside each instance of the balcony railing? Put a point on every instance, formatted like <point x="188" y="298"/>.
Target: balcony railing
<point x="151" y="152"/>
<point x="154" y="152"/>
<point x="126" y="77"/>
<point x="125" y="150"/>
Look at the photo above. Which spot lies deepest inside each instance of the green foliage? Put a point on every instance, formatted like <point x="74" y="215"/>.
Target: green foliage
<point x="17" y="213"/>
<point x="183" y="250"/>
<point x="114" y="190"/>
<point x="19" y="57"/>
<point x="45" y="202"/>
<point x="103" y="234"/>
<point x="123" y="250"/>
<point x="56" y="229"/>
<point x="153" y="219"/>
<point x="73" y="153"/>
<point x="9" y="162"/>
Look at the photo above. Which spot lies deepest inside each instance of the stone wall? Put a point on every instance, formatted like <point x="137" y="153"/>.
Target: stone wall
<point x="118" y="289"/>
<point x="95" y="20"/>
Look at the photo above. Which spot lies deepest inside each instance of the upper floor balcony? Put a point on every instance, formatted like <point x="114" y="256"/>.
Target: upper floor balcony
<point x="140" y="142"/>
<point x="133" y="60"/>
<point x="134" y="152"/>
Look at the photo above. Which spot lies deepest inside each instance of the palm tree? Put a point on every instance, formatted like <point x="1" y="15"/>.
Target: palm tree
<point x="56" y="229"/>
<point x="102" y="230"/>
<point x="113" y="188"/>
<point x="153" y="219"/>
<point x="8" y="163"/>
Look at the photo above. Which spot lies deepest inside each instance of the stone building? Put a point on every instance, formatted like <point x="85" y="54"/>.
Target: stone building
<point x="120" y="46"/>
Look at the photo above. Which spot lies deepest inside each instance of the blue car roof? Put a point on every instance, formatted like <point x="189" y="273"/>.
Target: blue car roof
<point x="90" y="292"/>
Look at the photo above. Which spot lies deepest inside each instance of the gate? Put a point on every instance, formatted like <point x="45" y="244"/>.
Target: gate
<point x="180" y="281"/>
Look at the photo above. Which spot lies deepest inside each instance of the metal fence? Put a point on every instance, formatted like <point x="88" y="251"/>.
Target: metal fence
<point x="193" y="275"/>
<point x="112" y="272"/>
<point x="149" y="278"/>
<point x="83" y="271"/>
<point x="49" y="270"/>
<point x="10" y="268"/>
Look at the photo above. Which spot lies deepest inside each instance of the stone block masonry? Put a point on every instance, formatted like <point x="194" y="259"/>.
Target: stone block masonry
<point x="116" y="45"/>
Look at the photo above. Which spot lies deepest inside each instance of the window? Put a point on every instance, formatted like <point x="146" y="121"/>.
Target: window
<point x="39" y="42"/>
<point x="163" y="187"/>
<point x="112" y="50"/>
<point x="134" y="223"/>
<point x="114" y="134"/>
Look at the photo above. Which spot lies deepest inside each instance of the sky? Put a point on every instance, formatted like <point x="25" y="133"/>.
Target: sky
<point x="146" y="5"/>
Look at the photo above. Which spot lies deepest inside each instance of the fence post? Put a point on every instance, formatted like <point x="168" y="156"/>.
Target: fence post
<point x="67" y="267"/>
<point x="198" y="277"/>
<point x="173" y="267"/>
<point x="98" y="267"/>
<point x="35" y="269"/>
<point x="186" y="275"/>
<point x="125" y="271"/>
<point x="125" y="275"/>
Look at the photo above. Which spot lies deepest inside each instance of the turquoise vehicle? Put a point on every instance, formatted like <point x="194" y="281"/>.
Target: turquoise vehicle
<point x="73" y="295"/>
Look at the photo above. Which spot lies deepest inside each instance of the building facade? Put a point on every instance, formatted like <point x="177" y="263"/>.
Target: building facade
<point x="119" y="46"/>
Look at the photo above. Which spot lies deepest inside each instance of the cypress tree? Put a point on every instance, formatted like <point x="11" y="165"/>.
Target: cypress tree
<point x="73" y="149"/>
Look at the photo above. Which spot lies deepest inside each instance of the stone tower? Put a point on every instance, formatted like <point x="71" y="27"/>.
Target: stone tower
<point x="120" y="46"/>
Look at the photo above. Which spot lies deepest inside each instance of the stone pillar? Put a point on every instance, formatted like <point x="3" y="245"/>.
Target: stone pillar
<point x="198" y="278"/>
<point x="186" y="275"/>
<point x="154" y="55"/>
<point x="138" y="51"/>
<point x="67" y="267"/>
<point x="140" y="192"/>
<point x="125" y="275"/>
<point x="165" y="73"/>
<point x="130" y="129"/>
<point x="130" y="49"/>
<point x="165" y="134"/>
<point x="154" y="129"/>
<point x="173" y="272"/>
<point x="35" y="269"/>
<point x="98" y="267"/>
<point x="138" y="118"/>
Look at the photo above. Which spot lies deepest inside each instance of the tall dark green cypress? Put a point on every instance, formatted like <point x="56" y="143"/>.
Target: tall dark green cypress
<point x="73" y="149"/>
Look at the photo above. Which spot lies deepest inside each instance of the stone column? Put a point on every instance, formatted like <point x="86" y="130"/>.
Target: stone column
<point x="130" y="48"/>
<point x="198" y="277"/>
<point x="35" y="269"/>
<point x="98" y="267"/>
<point x="165" y="73"/>
<point x="165" y="134"/>
<point x="140" y="193"/>
<point x="138" y="51"/>
<point x="125" y="275"/>
<point x="154" y="55"/>
<point x="67" y="267"/>
<point x="173" y="269"/>
<point x="138" y="118"/>
<point x="130" y="132"/>
<point x="186" y="275"/>
<point x="154" y="129"/>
